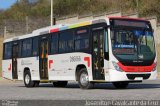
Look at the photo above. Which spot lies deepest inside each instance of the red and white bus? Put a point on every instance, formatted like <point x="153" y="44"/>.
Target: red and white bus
<point x="116" y="49"/>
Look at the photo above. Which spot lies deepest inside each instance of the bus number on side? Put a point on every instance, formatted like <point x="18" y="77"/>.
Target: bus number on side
<point x="75" y="58"/>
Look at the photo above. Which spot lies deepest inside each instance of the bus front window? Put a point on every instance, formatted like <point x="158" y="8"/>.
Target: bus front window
<point x="133" y="46"/>
<point x="123" y="42"/>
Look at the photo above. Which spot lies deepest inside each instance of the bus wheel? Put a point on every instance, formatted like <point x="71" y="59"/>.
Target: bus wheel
<point x="27" y="79"/>
<point x="36" y="83"/>
<point x="60" y="84"/>
<point x="120" y="85"/>
<point x="83" y="79"/>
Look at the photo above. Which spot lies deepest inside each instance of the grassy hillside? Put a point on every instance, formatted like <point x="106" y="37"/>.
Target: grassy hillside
<point x="41" y="8"/>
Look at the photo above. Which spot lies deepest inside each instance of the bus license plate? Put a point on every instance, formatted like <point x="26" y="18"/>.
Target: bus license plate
<point x="138" y="78"/>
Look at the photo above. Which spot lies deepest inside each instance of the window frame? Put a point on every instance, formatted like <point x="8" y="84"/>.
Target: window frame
<point x="50" y="42"/>
<point x="87" y="36"/>
<point x="26" y="55"/>
<point x="59" y="37"/>
<point x="4" y="56"/>
<point x="33" y="46"/>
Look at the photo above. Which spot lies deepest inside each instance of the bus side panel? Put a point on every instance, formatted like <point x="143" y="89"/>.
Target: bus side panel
<point x="32" y="63"/>
<point x="63" y="66"/>
<point x="20" y="71"/>
<point x="7" y="69"/>
<point x="106" y="70"/>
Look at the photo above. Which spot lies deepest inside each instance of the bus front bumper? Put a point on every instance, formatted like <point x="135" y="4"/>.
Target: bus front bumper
<point x="115" y="75"/>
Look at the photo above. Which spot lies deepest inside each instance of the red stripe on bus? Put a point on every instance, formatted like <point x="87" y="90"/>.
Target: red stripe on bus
<point x="87" y="59"/>
<point x="54" y="30"/>
<point x="137" y="68"/>
<point x="10" y="67"/>
<point x="50" y="63"/>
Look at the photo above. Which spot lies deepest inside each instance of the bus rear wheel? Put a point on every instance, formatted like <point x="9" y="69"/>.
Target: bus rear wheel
<point x="60" y="84"/>
<point x="120" y="85"/>
<point x="36" y="83"/>
<point x="27" y="79"/>
<point x="83" y="79"/>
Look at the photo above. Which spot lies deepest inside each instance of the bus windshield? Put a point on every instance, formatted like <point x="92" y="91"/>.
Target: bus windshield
<point x="133" y="46"/>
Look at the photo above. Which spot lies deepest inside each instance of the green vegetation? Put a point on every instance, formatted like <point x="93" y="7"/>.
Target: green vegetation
<point x="41" y="8"/>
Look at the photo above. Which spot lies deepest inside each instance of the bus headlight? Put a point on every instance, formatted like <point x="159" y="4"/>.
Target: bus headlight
<point x="116" y="66"/>
<point x="155" y="67"/>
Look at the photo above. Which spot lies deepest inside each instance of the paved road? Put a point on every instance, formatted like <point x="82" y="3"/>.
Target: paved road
<point x="140" y="91"/>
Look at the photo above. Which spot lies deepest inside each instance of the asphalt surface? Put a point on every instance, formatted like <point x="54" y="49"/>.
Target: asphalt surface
<point x="148" y="90"/>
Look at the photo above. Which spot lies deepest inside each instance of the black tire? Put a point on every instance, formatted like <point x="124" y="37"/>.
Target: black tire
<point x="27" y="80"/>
<point x="36" y="83"/>
<point x="60" y="84"/>
<point x="86" y="84"/>
<point x="120" y="85"/>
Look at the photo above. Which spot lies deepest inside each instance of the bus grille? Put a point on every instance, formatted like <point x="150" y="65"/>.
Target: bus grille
<point x="133" y="76"/>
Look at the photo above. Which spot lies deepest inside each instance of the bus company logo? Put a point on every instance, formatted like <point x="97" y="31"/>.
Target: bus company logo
<point x="23" y="62"/>
<point x="140" y="56"/>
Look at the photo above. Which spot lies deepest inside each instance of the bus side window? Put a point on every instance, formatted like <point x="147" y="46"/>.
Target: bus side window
<point x="35" y="47"/>
<point x="7" y="50"/>
<point x="82" y="39"/>
<point x="54" y="43"/>
<point x="66" y="43"/>
<point x="26" y="47"/>
<point x="19" y="51"/>
<point x="106" y="45"/>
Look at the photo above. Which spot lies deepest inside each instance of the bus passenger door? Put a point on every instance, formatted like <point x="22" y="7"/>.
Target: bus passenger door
<point x="15" y="49"/>
<point x="98" y="54"/>
<point x="43" y="58"/>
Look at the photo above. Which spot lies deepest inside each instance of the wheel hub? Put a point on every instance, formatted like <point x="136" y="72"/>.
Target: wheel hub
<point x="84" y="79"/>
<point x="27" y="79"/>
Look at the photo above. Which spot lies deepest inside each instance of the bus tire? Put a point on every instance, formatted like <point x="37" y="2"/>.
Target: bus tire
<point x="60" y="84"/>
<point x="120" y="85"/>
<point x="36" y="83"/>
<point x="83" y="79"/>
<point x="27" y="80"/>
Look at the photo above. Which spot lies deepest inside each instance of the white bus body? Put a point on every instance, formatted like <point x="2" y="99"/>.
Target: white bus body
<point x="66" y="60"/>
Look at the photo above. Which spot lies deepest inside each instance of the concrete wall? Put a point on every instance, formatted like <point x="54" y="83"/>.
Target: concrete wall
<point x="114" y="14"/>
<point x="75" y="19"/>
<point x="153" y="21"/>
<point x="67" y="20"/>
<point x="134" y="15"/>
<point x="158" y="34"/>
